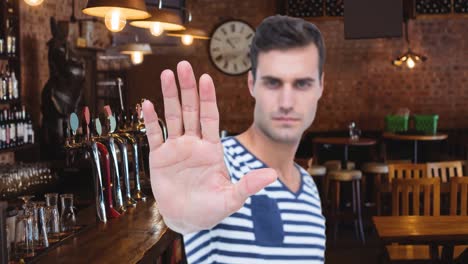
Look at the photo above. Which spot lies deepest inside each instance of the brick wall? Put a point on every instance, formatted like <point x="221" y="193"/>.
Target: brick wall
<point x="35" y="33"/>
<point x="360" y="83"/>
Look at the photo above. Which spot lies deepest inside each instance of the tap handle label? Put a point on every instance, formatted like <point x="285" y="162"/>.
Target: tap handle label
<point x="98" y="126"/>
<point x="108" y="110"/>
<point x="86" y="115"/>
<point x="74" y="123"/>
<point x="87" y="119"/>
<point x="139" y="111"/>
<point x="113" y="123"/>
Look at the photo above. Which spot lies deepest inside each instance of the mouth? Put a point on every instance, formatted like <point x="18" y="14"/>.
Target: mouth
<point x="286" y="119"/>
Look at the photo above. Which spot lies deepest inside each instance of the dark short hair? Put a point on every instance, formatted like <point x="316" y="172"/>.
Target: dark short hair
<point x="283" y="33"/>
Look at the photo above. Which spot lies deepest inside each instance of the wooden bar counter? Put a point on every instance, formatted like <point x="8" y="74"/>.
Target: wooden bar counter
<point x="139" y="236"/>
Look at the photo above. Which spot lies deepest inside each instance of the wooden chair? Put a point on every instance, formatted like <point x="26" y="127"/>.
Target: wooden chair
<point x="444" y="170"/>
<point x="397" y="171"/>
<point x="458" y="203"/>
<point x="429" y="189"/>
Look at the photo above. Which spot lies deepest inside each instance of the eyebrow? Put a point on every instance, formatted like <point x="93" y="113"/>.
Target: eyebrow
<point x="271" y="78"/>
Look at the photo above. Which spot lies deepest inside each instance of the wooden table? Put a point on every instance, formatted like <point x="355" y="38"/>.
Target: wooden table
<point x="344" y="141"/>
<point x="138" y="236"/>
<point x="415" y="139"/>
<point x="446" y="231"/>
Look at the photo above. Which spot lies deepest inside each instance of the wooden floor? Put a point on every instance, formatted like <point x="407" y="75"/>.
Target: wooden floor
<point x="348" y="250"/>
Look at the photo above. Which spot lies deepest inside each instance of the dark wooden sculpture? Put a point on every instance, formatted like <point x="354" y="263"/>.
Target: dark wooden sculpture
<point x="62" y="92"/>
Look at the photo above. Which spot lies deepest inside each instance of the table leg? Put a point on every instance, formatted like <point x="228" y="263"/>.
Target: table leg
<point x="447" y="254"/>
<point x="415" y="160"/>
<point x="315" y="153"/>
<point x="344" y="162"/>
<point x="434" y="253"/>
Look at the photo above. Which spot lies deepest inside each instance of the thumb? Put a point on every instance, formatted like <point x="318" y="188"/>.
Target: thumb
<point x="250" y="184"/>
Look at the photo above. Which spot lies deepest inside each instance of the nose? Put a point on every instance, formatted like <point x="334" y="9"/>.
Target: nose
<point x="286" y="99"/>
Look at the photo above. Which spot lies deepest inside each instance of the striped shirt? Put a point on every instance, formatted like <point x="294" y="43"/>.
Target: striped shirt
<point x="274" y="226"/>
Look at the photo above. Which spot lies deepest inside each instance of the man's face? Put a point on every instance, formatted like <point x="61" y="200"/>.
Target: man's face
<point x="286" y="91"/>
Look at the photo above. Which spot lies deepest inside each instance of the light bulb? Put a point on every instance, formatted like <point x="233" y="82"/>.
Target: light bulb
<point x="187" y="39"/>
<point x="33" y="2"/>
<point x="115" y="21"/>
<point x="156" y="29"/>
<point x="410" y="63"/>
<point x="137" y="57"/>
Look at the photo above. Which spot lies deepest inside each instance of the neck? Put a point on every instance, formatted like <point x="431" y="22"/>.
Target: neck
<point x="276" y="155"/>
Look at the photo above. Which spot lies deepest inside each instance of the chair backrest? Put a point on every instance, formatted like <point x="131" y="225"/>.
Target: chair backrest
<point x="465" y="167"/>
<point x="406" y="171"/>
<point x="444" y="170"/>
<point x="428" y="187"/>
<point x="458" y="196"/>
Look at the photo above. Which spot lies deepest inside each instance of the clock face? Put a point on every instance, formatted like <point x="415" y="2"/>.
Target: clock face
<point x="230" y="47"/>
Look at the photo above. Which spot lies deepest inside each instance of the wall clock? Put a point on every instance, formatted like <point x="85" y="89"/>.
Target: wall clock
<point x="230" y="47"/>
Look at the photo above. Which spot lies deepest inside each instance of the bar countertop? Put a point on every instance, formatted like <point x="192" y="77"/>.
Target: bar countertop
<point x="137" y="236"/>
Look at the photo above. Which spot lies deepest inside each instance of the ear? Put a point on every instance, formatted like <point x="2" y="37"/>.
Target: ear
<point x="53" y="26"/>
<point x="322" y="84"/>
<point x="251" y="83"/>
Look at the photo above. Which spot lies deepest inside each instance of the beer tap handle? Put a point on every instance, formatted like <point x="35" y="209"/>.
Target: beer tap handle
<point x="139" y="113"/>
<point x="74" y="123"/>
<point x="98" y="189"/>
<point x="107" y="110"/>
<point x="87" y="119"/>
<point x="107" y="176"/>
<point x="119" y="86"/>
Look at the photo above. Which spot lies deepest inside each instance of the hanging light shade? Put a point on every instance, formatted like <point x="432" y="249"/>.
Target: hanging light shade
<point x="187" y="36"/>
<point x="137" y="51"/>
<point x="33" y="2"/>
<point x="161" y="20"/>
<point x="409" y="59"/>
<point x="116" y="12"/>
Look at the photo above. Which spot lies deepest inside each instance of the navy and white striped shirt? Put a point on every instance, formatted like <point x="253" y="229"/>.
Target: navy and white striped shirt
<point x="274" y="226"/>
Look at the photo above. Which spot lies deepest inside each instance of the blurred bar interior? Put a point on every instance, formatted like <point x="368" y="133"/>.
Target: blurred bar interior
<point x="73" y="149"/>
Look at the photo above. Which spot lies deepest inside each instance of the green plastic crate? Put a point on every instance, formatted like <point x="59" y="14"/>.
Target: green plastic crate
<point x="426" y="123"/>
<point x="396" y="123"/>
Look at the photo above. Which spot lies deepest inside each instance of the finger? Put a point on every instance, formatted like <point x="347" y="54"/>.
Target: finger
<point x="190" y="101"/>
<point x="250" y="184"/>
<point x="172" y="110"/>
<point x="153" y="130"/>
<point x="209" y="114"/>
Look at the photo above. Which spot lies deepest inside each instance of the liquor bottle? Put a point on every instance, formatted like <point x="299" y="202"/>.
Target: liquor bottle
<point x="5" y="86"/>
<point x="2" y="131"/>
<point x="2" y="84"/>
<point x="15" y="88"/>
<point x="7" y="127"/>
<point x="30" y="129"/>
<point x="10" y="85"/>
<point x="11" y="38"/>
<point x="12" y="129"/>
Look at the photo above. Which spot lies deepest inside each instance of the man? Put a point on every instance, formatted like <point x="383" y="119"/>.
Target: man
<point x="244" y="200"/>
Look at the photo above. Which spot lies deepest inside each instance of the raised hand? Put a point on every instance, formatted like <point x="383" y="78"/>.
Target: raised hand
<point x="188" y="175"/>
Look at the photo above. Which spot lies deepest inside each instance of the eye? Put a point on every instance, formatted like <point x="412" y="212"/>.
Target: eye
<point x="303" y="84"/>
<point x="271" y="83"/>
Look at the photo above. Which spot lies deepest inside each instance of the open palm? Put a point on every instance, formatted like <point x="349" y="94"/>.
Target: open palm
<point x="188" y="175"/>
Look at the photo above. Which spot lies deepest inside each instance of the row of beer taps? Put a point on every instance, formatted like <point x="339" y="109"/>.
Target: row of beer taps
<point x="108" y="142"/>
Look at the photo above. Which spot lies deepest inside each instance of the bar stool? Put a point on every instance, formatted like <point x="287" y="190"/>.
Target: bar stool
<point x="332" y="165"/>
<point x="318" y="173"/>
<point x="377" y="170"/>
<point x="354" y="176"/>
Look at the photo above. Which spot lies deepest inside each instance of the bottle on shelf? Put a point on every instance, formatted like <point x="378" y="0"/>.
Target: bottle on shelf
<point x="16" y="128"/>
<point x="10" y="38"/>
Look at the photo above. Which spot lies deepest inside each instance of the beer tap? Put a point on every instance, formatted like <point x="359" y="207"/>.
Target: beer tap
<point x="122" y="144"/>
<point x="116" y="186"/>
<point x="92" y="148"/>
<point x="124" y="133"/>
<point x="112" y="213"/>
